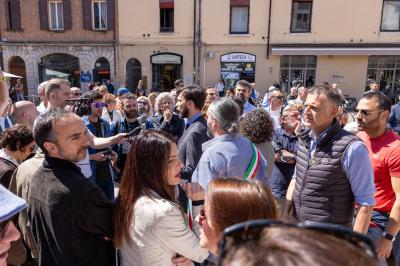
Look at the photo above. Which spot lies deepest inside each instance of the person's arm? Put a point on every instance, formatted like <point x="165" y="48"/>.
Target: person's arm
<point x="4" y="94"/>
<point x="102" y="143"/>
<point x="362" y="219"/>
<point x="285" y="212"/>
<point x="383" y="245"/>
<point x="358" y="168"/>
<point x="391" y="118"/>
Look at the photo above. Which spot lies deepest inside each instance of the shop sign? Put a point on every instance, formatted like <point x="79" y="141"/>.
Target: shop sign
<point x="237" y="67"/>
<point x="338" y="77"/>
<point x="238" y="57"/>
<point x="166" y="59"/>
<point x="86" y="77"/>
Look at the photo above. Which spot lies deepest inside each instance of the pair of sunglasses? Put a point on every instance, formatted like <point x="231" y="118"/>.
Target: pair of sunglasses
<point x="251" y="230"/>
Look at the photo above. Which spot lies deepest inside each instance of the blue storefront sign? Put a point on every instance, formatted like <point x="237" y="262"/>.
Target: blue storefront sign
<point x="86" y="77"/>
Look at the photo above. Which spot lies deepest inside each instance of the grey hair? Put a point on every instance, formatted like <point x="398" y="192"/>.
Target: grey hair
<point x="226" y="112"/>
<point x="162" y="97"/>
<point x="41" y="88"/>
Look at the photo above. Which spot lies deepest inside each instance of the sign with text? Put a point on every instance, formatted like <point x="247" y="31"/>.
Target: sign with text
<point x="238" y="57"/>
<point x="166" y="59"/>
<point x="338" y="77"/>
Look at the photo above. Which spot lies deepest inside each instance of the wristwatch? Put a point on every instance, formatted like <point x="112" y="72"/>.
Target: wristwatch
<point x="388" y="236"/>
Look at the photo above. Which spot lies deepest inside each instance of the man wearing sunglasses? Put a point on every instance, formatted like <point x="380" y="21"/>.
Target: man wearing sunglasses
<point x="276" y="99"/>
<point x="333" y="170"/>
<point x="384" y="150"/>
<point x="102" y="171"/>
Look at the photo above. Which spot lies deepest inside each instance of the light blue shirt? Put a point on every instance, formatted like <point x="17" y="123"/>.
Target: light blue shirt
<point x="226" y="156"/>
<point x="248" y="107"/>
<point x="190" y="121"/>
<point x="357" y="166"/>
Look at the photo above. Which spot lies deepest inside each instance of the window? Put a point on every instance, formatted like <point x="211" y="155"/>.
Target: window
<point x="99" y="15"/>
<point x="391" y="16"/>
<point x="297" y="68"/>
<point x="56" y="15"/>
<point x="13" y="15"/>
<point x="386" y="71"/>
<point x="239" y="20"/>
<point x="166" y="20"/>
<point x="301" y="16"/>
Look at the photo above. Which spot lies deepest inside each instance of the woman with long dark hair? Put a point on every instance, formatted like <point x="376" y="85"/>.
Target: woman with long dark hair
<point x="150" y="228"/>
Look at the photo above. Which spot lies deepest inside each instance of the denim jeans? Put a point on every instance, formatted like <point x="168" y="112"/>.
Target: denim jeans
<point x="381" y="219"/>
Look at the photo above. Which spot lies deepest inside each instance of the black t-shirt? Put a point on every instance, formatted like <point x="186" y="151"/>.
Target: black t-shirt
<point x="102" y="168"/>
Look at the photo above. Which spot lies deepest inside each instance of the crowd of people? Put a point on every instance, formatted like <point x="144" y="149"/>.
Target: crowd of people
<point x="199" y="176"/>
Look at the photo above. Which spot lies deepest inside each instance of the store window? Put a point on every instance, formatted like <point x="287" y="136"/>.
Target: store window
<point x="301" y="16"/>
<point x="390" y="15"/>
<point x="166" y="16"/>
<point x="56" y="15"/>
<point x="386" y="71"/>
<point x="99" y="15"/>
<point x="296" y="69"/>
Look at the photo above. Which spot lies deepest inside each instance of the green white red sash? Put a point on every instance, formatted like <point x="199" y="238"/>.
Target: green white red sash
<point x="253" y="166"/>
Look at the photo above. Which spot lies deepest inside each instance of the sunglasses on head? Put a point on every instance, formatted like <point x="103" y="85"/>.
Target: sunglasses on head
<point x="100" y="105"/>
<point x="251" y="230"/>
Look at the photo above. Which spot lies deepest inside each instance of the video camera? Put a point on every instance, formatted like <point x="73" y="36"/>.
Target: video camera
<point x="79" y="106"/>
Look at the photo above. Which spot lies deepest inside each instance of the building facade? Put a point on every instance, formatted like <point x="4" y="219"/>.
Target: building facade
<point x="262" y="41"/>
<point x="72" y="39"/>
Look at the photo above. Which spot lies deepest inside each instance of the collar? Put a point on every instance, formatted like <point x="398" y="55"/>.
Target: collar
<point x="226" y="137"/>
<point x="56" y="163"/>
<point x="4" y="155"/>
<point x="194" y="118"/>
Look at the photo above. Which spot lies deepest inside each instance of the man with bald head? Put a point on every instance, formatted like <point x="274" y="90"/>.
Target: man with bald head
<point x="24" y="113"/>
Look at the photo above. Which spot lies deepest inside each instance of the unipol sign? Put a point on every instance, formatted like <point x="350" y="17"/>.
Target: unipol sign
<point x="238" y="57"/>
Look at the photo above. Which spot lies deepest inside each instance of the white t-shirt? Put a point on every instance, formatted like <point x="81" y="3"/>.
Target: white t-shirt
<point x="84" y="164"/>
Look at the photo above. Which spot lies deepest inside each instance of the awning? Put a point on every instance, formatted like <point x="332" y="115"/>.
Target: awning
<point x="336" y="49"/>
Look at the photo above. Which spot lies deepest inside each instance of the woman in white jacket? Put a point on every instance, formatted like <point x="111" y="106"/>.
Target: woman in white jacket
<point x="150" y="228"/>
<point x="110" y="114"/>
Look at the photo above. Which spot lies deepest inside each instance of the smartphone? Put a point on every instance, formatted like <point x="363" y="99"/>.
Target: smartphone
<point x="134" y="132"/>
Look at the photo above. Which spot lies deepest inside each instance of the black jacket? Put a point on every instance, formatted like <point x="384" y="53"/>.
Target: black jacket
<point x="70" y="217"/>
<point x="174" y="127"/>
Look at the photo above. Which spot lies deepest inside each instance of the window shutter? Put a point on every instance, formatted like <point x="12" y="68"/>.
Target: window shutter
<point x="16" y="17"/>
<point x="87" y="14"/>
<point x="67" y="14"/>
<point x="110" y="14"/>
<point x="166" y="3"/>
<point x="7" y="3"/>
<point x="240" y="2"/>
<point x="43" y="15"/>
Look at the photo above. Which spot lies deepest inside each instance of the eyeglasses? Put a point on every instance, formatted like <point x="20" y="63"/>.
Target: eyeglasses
<point x="143" y="103"/>
<point x="251" y="230"/>
<point x="202" y="217"/>
<point x="279" y="97"/>
<point x="100" y="105"/>
<point x="32" y="148"/>
<point x="77" y="93"/>
<point x="3" y="225"/>
<point x="365" y="113"/>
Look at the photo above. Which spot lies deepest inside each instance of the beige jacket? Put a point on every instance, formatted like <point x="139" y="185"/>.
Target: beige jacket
<point x="159" y="233"/>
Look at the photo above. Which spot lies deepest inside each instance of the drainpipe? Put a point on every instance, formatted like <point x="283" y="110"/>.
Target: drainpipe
<point x="115" y="52"/>
<point x="194" y="40"/>
<point x="199" y="46"/>
<point x="269" y="27"/>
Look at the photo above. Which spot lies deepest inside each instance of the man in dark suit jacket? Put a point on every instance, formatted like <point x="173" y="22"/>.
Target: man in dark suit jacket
<point x="189" y="104"/>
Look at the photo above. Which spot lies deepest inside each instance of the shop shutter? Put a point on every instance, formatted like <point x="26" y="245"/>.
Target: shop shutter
<point x="166" y="3"/>
<point x="240" y="2"/>
<point x="67" y="14"/>
<point x="43" y="15"/>
<point x="87" y="14"/>
<point x="110" y="14"/>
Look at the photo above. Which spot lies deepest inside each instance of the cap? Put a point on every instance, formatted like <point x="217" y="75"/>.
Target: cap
<point x="122" y="91"/>
<point x="10" y="204"/>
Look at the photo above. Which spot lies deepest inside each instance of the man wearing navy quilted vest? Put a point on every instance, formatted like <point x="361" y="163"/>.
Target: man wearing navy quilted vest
<point x="333" y="171"/>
